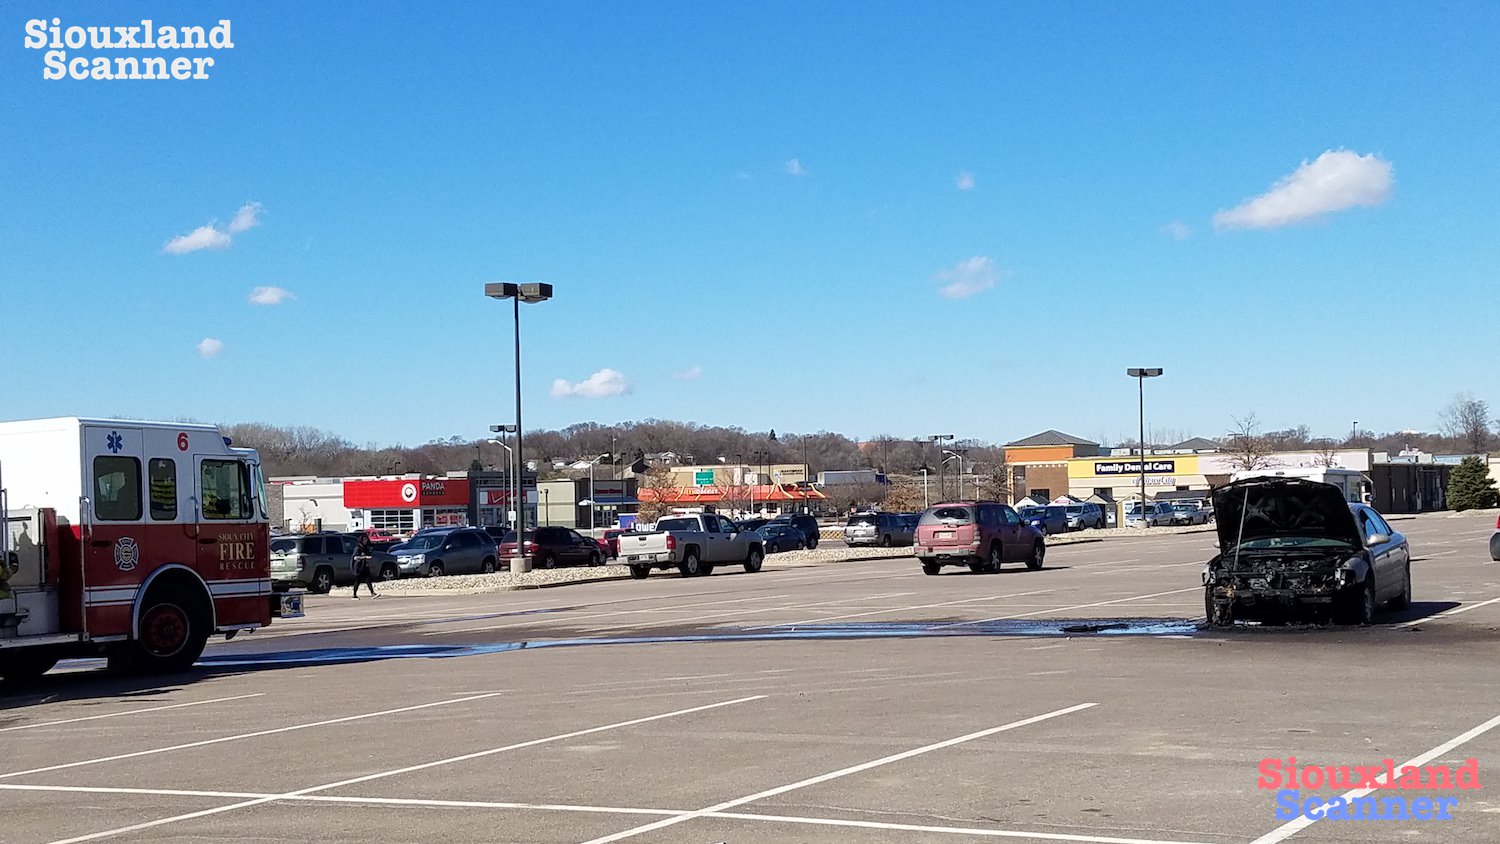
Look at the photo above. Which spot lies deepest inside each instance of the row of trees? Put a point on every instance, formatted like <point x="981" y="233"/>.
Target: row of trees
<point x="1466" y="427"/>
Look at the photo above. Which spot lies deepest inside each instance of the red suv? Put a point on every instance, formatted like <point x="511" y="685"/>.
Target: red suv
<point x="978" y="534"/>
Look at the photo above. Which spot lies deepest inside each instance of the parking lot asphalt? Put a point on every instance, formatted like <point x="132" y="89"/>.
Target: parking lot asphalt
<point x="846" y="702"/>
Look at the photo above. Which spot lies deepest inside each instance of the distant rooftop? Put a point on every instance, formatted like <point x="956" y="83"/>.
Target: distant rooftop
<point x="1196" y="444"/>
<point x="1051" y="438"/>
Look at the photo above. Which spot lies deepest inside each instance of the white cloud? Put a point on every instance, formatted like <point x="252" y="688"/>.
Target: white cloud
<point x="203" y="237"/>
<point x="1177" y="230"/>
<point x="743" y="176"/>
<point x="794" y="167"/>
<point x="1336" y="180"/>
<point x="248" y="217"/>
<point x="210" y="348"/>
<point x="688" y="374"/>
<point x="270" y="295"/>
<point x="606" y="382"/>
<point x="968" y="277"/>
<point x="213" y="237"/>
<point x="965" y="180"/>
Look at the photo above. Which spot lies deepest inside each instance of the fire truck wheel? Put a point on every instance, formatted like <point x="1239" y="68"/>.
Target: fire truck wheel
<point x="25" y="665"/>
<point x="173" y="630"/>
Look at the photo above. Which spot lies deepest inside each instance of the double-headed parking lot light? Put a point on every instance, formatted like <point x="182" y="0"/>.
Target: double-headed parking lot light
<point x="518" y="293"/>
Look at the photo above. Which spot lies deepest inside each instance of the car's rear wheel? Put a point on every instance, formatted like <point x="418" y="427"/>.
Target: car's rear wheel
<point x="488" y="567"/>
<point x="801" y="545"/>
<point x="322" y="581"/>
<point x="885" y="541"/>
<point x="689" y="567"/>
<point x="595" y="559"/>
<point x="979" y="568"/>
<point x="995" y="560"/>
<point x="1037" y="557"/>
<point x="548" y="561"/>
<point x="640" y="572"/>
<point x="1403" y="600"/>
<point x="931" y="568"/>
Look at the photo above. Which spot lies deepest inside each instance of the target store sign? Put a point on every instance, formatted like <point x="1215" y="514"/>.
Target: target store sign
<point x="406" y="493"/>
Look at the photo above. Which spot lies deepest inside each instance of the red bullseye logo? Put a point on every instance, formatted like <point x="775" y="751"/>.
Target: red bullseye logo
<point x="409" y="493"/>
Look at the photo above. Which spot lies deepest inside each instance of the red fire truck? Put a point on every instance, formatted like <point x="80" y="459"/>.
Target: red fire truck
<point x="131" y="540"/>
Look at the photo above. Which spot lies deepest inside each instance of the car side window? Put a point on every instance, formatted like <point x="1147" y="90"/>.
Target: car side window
<point x="468" y="540"/>
<point x="312" y="545"/>
<point x="1380" y="523"/>
<point x="1009" y="516"/>
<point x="1367" y="525"/>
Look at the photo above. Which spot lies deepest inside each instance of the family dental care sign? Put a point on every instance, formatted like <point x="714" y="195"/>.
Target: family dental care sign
<point x="149" y="51"/>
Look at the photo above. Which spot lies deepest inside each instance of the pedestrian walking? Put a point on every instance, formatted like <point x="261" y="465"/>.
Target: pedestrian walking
<point x="362" y="555"/>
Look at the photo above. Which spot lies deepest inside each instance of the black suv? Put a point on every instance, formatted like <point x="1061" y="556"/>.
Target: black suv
<point x="803" y="522"/>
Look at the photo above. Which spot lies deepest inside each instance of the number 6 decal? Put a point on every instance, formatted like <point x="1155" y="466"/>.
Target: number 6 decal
<point x="182" y="442"/>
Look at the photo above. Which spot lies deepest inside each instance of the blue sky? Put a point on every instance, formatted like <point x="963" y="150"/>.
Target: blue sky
<point x="771" y="199"/>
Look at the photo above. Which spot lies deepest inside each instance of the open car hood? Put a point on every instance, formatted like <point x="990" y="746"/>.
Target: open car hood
<point x="1279" y="507"/>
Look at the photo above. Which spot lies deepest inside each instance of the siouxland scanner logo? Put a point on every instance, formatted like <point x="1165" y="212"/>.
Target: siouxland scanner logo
<point x="144" y="51"/>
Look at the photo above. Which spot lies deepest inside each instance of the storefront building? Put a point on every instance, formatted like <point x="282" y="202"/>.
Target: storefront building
<point x="406" y="505"/>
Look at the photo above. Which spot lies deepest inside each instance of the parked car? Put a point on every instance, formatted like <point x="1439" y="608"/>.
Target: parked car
<point x="693" y="544"/>
<point x="1292" y="543"/>
<point x="380" y="537"/>
<point x="318" y="561"/>
<point x="612" y="542"/>
<point x="1495" y="542"/>
<point x="805" y="523"/>
<point x="1188" y="513"/>
<point x="883" y="529"/>
<point x="439" y="551"/>
<point x="1050" y="519"/>
<point x="1158" y="513"/>
<point x="1085" y="515"/>
<point x="979" y="534"/>
<point x="753" y="524"/>
<point x="550" y="547"/>
<point x="781" y="537"/>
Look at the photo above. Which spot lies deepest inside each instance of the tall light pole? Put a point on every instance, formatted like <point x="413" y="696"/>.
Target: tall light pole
<point x="1140" y="375"/>
<point x="518" y="293"/>
<point x="1354" y="432"/>
<point x="926" y="502"/>
<point x="593" y="499"/>
<point x="960" y="459"/>
<point x="512" y="482"/>
<point x="938" y="440"/>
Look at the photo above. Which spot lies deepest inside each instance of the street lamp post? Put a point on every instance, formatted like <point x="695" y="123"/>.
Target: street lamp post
<point x="518" y="293"/>
<point x="512" y="471"/>
<point x="926" y="502"/>
<point x="1140" y="375"/>
<point x="960" y="458"/>
<point x="938" y="440"/>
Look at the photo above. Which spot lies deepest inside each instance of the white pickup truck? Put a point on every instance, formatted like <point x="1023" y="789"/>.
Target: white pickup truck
<point x="693" y="544"/>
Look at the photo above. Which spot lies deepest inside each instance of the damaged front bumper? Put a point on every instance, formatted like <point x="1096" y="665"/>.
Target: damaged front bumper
<point x="1313" y="584"/>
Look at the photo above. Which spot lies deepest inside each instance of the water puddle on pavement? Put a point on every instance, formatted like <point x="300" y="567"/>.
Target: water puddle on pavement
<point x="1001" y="628"/>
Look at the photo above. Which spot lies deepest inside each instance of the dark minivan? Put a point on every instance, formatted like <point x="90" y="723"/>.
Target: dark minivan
<point x="979" y="534"/>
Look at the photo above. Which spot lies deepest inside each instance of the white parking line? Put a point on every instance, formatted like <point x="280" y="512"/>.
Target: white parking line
<point x="833" y="775"/>
<point x="951" y="830"/>
<point x="130" y="712"/>
<point x="241" y="736"/>
<point x="1446" y="613"/>
<point x="608" y="810"/>
<point x="1301" y="822"/>
<point x="1075" y="607"/>
<point x="397" y="772"/>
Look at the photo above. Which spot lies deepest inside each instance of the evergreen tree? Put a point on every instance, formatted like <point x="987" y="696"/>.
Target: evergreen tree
<point x="1470" y="486"/>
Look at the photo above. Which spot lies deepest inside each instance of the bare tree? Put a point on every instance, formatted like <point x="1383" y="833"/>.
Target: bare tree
<point x="1328" y="453"/>
<point x="903" y="496"/>
<point x="1467" y="419"/>
<point x="1245" y="447"/>
<point x="659" y="486"/>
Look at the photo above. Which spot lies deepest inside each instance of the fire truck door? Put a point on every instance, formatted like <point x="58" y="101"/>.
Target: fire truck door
<point x="226" y="538"/>
<point x="32" y="586"/>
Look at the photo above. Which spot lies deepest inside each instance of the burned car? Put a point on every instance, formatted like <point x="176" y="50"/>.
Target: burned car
<point x="1288" y="545"/>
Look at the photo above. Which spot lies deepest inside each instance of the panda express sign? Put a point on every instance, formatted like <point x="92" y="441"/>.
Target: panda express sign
<point x="406" y="493"/>
<point x="1133" y="467"/>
